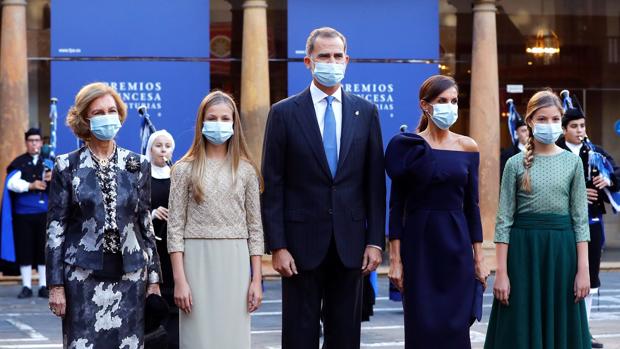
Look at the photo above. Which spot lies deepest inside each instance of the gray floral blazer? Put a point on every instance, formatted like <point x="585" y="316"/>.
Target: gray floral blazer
<point x="76" y="215"/>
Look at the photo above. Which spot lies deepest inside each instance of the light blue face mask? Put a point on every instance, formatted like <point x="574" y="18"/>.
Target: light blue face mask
<point x="445" y="115"/>
<point x="547" y="133"/>
<point x="329" y="74"/>
<point x="217" y="132"/>
<point x="105" y="127"/>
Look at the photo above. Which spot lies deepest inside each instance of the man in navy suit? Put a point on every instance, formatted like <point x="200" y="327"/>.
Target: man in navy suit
<point x="324" y="200"/>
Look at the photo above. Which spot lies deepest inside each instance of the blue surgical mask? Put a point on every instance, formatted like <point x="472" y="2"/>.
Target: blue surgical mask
<point x="217" y="132"/>
<point x="445" y="115"/>
<point x="547" y="133"/>
<point x="329" y="74"/>
<point x="105" y="127"/>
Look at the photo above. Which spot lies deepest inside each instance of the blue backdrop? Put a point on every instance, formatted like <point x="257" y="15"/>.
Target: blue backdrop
<point x="171" y="90"/>
<point x="402" y="29"/>
<point x="130" y="28"/>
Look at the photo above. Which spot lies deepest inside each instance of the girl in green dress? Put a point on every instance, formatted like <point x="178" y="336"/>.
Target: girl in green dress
<point x="541" y="237"/>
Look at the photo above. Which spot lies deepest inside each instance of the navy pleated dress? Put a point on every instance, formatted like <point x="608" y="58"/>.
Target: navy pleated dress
<point x="434" y="212"/>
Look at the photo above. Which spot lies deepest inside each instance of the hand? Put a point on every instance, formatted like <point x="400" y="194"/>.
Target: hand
<point x="372" y="259"/>
<point x="582" y="285"/>
<point x="183" y="296"/>
<point x="37" y="185"/>
<point x="600" y="182"/>
<point x="501" y="288"/>
<point x="58" y="301"/>
<point x="284" y="263"/>
<point x="396" y="274"/>
<point x="161" y="213"/>
<point x="592" y="195"/>
<point x="47" y="176"/>
<point x="255" y="295"/>
<point x="482" y="273"/>
<point x="153" y="288"/>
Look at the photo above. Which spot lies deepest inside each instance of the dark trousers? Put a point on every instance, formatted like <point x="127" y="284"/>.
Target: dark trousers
<point x="594" y="252"/>
<point x="29" y="234"/>
<point x="338" y="289"/>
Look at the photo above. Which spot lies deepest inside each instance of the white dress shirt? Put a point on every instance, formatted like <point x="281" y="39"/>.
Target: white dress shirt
<point x="320" y="105"/>
<point x="574" y="148"/>
<point x="16" y="184"/>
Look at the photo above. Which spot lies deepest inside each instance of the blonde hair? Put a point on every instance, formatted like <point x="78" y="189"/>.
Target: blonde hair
<point x="197" y="153"/>
<point x="77" y="118"/>
<point x="541" y="99"/>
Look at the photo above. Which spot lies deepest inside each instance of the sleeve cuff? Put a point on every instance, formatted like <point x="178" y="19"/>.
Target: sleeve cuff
<point x="176" y="248"/>
<point x="375" y="246"/>
<point x="502" y="239"/>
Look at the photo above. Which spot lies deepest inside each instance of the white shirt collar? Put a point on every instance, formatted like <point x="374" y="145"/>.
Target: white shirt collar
<point x="521" y="146"/>
<point x="574" y="148"/>
<point x="160" y="172"/>
<point x="318" y="95"/>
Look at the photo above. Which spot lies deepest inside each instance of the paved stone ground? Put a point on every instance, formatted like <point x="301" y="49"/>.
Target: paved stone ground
<point x="28" y="323"/>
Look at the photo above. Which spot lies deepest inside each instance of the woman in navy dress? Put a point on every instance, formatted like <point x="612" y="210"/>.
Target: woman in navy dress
<point x="436" y="257"/>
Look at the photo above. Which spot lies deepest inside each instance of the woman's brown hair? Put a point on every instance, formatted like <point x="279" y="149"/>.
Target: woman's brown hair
<point x="431" y="88"/>
<point x="541" y="99"/>
<point x="77" y="118"/>
<point x="237" y="146"/>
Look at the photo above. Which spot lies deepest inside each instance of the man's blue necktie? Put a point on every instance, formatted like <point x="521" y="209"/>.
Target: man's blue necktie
<point x="329" y="137"/>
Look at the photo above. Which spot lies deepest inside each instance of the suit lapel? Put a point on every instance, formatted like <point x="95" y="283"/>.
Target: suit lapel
<point x="348" y="127"/>
<point x="310" y="128"/>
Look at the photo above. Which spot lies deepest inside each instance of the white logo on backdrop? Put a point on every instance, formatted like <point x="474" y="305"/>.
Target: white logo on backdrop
<point x="381" y="94"/>
<point x="137" y="93"/>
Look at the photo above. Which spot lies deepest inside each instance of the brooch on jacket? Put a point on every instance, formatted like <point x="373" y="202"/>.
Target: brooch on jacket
<point x="132" y="164"/>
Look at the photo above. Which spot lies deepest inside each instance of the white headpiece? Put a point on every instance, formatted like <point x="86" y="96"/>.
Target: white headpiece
<point x="154" y="135"/>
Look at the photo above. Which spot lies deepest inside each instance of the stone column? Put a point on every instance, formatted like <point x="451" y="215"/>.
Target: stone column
<point x="484" y="104"/>
<point x="255" y="75"/>
<point x="13" y="83"/>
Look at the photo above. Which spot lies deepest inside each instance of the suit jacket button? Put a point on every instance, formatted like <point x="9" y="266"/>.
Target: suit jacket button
<point x="330" y="211"/>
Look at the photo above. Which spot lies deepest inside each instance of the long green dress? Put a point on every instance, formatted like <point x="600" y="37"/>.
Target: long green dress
<point x="542" y="228"/>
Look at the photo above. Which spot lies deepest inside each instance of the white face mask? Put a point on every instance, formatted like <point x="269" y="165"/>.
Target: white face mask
<point x="329" y="74"/>
<point x="445" y="115"/>
<point x="217" y="132"/>
<point x="547" y="133"/>
<point x="105" y="127"/>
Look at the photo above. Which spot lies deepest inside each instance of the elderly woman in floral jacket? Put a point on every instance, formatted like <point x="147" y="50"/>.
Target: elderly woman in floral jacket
<point x="101" y="256"/>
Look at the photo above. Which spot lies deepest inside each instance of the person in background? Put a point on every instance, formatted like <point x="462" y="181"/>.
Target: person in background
<point x="573" y="140"/>
<point x="160" y="147"/>
<point x="514" y="149"/>
<point x="28" y="186"/>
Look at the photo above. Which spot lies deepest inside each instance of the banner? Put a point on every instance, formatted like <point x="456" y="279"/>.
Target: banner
<point x="172" y="92"/>
<point x="135" y="28"/>
<point x="396" y="29"/>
